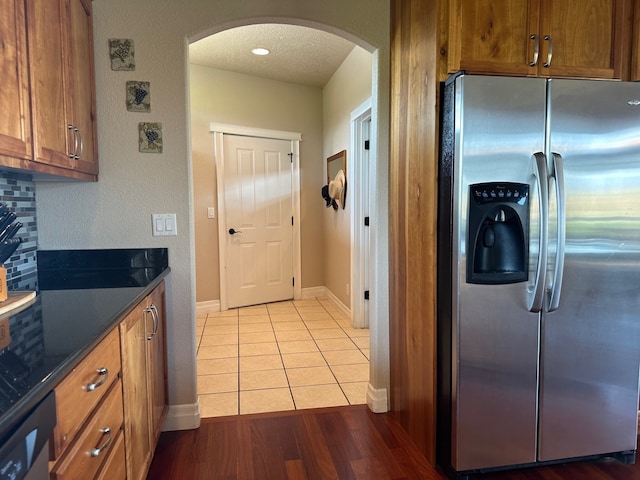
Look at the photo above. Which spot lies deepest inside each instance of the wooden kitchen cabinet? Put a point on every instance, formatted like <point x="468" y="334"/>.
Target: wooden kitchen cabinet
<point x="95" y="444"/>
<point x="157" y="363"/>
<point x="89" y="411"/>
<point x="114" y="467"/>
<point x="635" y="50"/>
<point x="575" y="38"/>
<point x="80" y="392"/>
<point x="62" y="87"/>
<point x="143" y="374"/>
<point x="15" y="126"/>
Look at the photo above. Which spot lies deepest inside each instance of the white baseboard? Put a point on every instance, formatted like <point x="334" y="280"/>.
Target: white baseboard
<point x="313" y="292"/>
<point x="335" y="301"/>
<point x="182" y="417"/>
<point x="210" y="306"/>
<point x="377" y="399"/>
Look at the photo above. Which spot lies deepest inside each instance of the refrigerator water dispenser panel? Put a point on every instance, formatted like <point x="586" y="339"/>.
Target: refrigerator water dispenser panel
<point x="498" y="233"/>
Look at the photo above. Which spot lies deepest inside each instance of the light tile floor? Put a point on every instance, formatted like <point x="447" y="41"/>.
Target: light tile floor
<point x="280" y="356"/>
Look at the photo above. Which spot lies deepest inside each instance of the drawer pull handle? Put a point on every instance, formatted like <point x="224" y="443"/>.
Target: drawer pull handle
<point x="97" y="451"/>
<point x="103" y="372"/>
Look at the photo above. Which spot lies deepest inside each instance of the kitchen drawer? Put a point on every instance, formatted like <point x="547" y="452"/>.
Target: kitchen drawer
<point x="114" y="467"/>
<point x="81" y="461"/>
<point x="79" y="393"/>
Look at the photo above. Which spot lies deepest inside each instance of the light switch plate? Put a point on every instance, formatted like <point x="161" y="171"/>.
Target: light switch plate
<point x="164" y="224"/>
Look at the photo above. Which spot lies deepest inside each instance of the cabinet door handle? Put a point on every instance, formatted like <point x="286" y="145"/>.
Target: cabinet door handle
<point x="149" y="334"/>
<point x="154" y="317"/>
<point x="72" y="153"/>
<point x="97" y="451"/>
<point x="80" y="147"/>
<point x="104" y="373"/>
<point x="536" y="49"/>
<point x="547" y="64"/>
<point x="76" y="130"/>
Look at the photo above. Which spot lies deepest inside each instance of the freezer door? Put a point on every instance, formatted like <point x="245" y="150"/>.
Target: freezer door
<point x="590" y="349"/>
<point x="499" y="126"/>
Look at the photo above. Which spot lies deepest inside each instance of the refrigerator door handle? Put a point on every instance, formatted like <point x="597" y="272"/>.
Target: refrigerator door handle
<point x="536" y="297"/>
<point x="556" y="285"/>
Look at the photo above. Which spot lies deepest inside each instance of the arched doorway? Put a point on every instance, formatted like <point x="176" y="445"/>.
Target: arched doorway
<point x="377" y="398"/>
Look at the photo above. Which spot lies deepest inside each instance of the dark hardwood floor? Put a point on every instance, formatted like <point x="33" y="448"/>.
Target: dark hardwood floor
<point x="322" y="444"/>
<point x="316" y="444"/>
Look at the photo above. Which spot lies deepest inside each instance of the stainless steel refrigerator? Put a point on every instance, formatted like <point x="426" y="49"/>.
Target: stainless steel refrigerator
<point x="538" y="271"/>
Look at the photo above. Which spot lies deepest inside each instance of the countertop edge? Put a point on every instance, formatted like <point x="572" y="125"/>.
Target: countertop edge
<point x="9" y="421"/>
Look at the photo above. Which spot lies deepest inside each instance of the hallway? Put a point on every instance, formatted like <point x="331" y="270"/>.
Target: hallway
<point x="280" y="356"/>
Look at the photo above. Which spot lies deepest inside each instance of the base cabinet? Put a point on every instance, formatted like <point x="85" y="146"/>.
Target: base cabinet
<point x="111" y="407"/>
<point x="94" y="446"/>
<point x="90" y="415"/>
<point x="114" y="467"/>
<point x="142" y="342"/>
<point x="157" y="364"/>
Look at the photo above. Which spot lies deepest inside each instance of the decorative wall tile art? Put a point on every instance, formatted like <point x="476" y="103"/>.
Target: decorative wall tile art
<point x="121" y="51"/>
<point x="150" y="137"/>
<point x="139" y="96"/>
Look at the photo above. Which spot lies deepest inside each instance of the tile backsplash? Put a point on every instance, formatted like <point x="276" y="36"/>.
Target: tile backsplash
<point x="18" y="192"/>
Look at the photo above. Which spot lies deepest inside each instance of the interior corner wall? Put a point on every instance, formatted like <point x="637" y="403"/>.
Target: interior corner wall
<point x="237" y="99"/>
<point x="349" y="87"/>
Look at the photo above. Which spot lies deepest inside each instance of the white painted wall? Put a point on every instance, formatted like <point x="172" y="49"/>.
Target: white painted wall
<point x="233" y="98"/>
<point x="348" y="87"/>
<point x="116" y="211"/>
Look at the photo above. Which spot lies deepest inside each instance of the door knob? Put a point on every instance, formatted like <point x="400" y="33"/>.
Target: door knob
<point x="233" y="231"/>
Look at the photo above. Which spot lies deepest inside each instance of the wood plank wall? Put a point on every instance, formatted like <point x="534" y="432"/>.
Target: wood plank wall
<point x="412" y="224"/>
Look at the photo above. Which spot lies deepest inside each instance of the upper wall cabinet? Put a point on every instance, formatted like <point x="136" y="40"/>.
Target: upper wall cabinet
<point x="635" y="63"/>
<point x="62" y="85"/>
<point x="547" y="38"/>
<point x="15" y="126"/>
<point x="48" y="121"/>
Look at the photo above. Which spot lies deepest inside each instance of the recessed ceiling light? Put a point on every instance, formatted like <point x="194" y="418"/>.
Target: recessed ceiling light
<point x="260" y="51"/>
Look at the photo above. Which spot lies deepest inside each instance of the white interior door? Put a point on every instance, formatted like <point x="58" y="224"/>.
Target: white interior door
<point x="259" y="217"/>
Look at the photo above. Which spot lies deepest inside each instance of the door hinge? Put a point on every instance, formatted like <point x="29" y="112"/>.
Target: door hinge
<point x="366" y="221"/>
<point x="293" y="281"/>
<point x="291" y="157"/>
<point x="366" y="144"/>
<point x="366" y="294"/>
<point x="291" y="220"/>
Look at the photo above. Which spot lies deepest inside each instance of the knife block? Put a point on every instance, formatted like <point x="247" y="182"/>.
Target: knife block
<point x="3" y="284"/>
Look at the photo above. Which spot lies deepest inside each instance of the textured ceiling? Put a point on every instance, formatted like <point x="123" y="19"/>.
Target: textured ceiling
<point x="298" y="54"/>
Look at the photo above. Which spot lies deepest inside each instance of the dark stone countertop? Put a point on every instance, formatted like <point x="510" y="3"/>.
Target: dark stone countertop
<point x="82" y="296"/>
